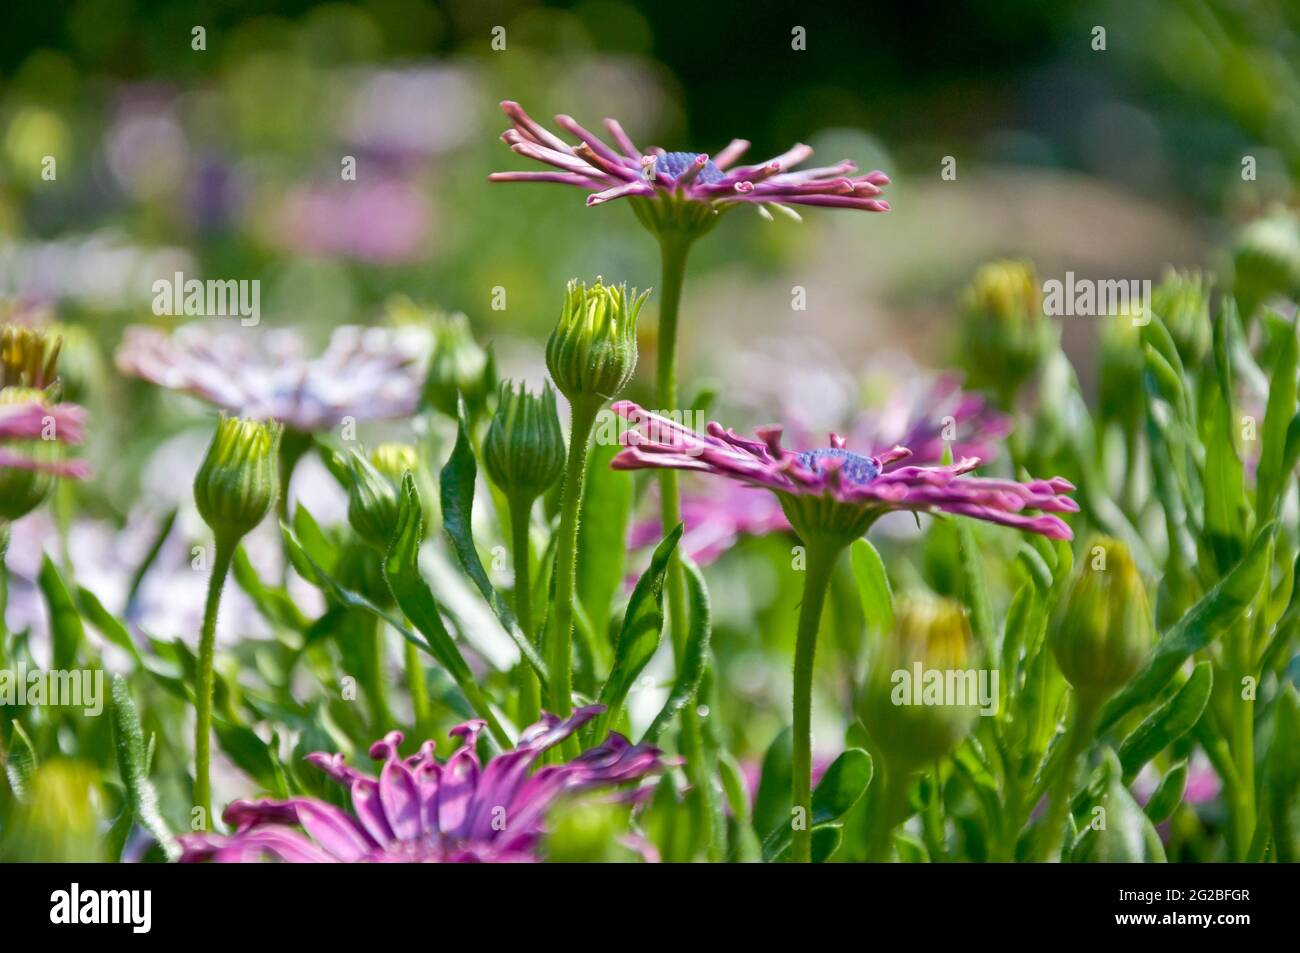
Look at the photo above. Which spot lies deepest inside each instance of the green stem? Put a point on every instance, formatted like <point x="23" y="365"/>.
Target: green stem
<point x="1242" y="744"/>
<point x="529" y="706"/>
<point x="674" y="249"/>
<point x="582" y="419"/>
<point x="1062" y="790"/>
<point x="225" y="553"/>
<point x="417" y="687"/>
<point x="380" y="715"/>
<point x="888" y="808"/>
<point x="821" y="562"/>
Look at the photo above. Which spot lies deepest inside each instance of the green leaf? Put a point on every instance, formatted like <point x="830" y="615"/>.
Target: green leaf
<point x="775" y="785"/>
<point x="1271" y="477"/>
<point x="415" y="598"/>
<point x="1168" y="794"/>
<point x="873" y="585"/>
<point x="456" y="483"/>
<point x="65" y="622"/>
<point x="252" y="755"/>
<point x="695" y="658"/>
<point x="745" y="848"/>
<point x="642" y="631"/>
<point x="1227" y="510"/>
<point x="20" y="762"/>
<point x="272" y="601"/>
<point x="602" y="537"/>
<point x="133" y="766"/>
<point x="974" y="588"/>
<point x="1284" y="772"/>
<point x="1202" y="623"/>
<point x="844" y="782"/>
<point x="1167" y="723"/>
<point x="93" y="611"/>
<point x="1127" y="836"/>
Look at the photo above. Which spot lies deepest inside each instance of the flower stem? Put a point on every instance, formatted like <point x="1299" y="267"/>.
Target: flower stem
<point x="417" y="687"/>
<point x="817" y="578"/>
<point x="674" y="249"/>
<point x="380" y="715"/>
<point x="225" y="553"/>
<point x="582" y="419"/>
<point x="1076" y="743"/>
<point x="1242" y="746"/>
<point x="529" y="706"/>
<point x="888" y="808"/>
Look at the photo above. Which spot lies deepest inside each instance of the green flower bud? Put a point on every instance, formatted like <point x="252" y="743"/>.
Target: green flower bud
<point x="394" y="459"/>
<point x="28" y="358"/>
<point x="1004" y="336"/>
<point x="372" y="498"/>
<point x="1105" y="630"/>
<point x="239" y="480"/>
<point x="59" y="820"/>
<point x="588" y="832"/>
<point x="591" y="354"/>
<point x="920" y="697"/>
<point x="21" y="489"/>
<point x="523" y="451"/>
<point x="1266" y="260"/>
<point x="1182" y="302"/>
<point x="458" y="367"/>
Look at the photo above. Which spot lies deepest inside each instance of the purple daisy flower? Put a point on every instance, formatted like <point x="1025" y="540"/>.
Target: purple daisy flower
<point x="713" y="181"/>
<point x="926" y="419"/>
<point x="419" y="810"/>
<point x="865" y="486"/>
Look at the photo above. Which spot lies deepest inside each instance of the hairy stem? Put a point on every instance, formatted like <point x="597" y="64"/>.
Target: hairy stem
<point x="225" y="553"/>
<point x="582" y="419"/>
<point x="821" y="561"/>
<point x="529" y="706"/>
<point x="415" y="684"/>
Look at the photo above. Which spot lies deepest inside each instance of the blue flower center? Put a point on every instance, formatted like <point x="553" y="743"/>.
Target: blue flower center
<point x="675" y="163"/>
<point x="856" y="469"/>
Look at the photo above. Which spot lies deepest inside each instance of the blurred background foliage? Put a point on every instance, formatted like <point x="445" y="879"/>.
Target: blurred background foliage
<point x="225" y="163"/>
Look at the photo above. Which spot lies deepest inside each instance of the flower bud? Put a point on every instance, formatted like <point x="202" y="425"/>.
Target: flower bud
<point x="394" y="459"/>
<point x="23" y="488"/>
<point x="372" y="484"/>
<point x="588" y="832"/>
<point x="920" y="698"/>
<point x="458" y="366"/>
<point x="1105" y="630"/>
<point x="239" y="480"/>
<point x="1181" y="301"/>
<point x="1004" y="336"/>
<point x="591" y="354"/>
<point x="1266" y="260"/>
<point x="523" y="451"/>
<point x="28" y="358"/>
